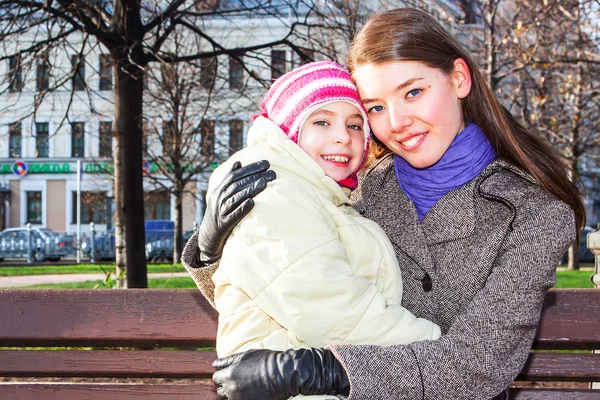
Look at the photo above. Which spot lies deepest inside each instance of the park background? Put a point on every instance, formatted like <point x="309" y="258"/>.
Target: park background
<point x="148" y="97"/>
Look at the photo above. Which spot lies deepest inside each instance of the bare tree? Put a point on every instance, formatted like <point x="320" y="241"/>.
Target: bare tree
<point x="135" y="34"/>
<point x="541" y="58"/>
<point x="185" y="102"/>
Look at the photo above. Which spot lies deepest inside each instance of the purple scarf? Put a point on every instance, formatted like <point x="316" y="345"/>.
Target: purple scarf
<point x="467" y="156"/>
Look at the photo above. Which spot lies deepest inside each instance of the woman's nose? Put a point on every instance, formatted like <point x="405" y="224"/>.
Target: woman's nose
<point x="399" y="120"/>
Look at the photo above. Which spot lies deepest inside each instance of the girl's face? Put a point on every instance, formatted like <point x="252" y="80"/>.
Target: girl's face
<point x="413" y="109"/>
<point x="333" y="136"/>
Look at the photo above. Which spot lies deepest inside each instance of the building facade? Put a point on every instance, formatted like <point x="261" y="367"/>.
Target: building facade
<point x="50" y="125"/>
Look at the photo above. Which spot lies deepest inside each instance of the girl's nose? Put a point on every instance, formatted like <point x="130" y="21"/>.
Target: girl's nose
<point x="342" y="136"/>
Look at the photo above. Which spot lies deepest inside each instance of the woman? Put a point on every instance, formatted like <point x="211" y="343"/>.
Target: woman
<point x="479" y="211"/>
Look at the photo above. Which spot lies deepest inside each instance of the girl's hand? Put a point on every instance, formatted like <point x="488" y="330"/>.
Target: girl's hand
<point x="229" y="204"/>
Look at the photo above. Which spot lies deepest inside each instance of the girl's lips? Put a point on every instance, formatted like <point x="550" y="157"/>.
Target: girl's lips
<point x="413" y="142"/>
<point x="337" y="159"/>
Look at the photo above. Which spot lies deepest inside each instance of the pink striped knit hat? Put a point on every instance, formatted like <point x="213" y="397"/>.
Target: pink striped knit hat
<point x="294" y="96"/>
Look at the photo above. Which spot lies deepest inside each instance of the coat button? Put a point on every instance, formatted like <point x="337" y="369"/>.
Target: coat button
<point x="427" y="283"/>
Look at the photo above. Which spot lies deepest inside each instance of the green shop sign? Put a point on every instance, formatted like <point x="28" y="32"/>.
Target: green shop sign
<point x="40" y="168"/>
<point x="71" y="168"/>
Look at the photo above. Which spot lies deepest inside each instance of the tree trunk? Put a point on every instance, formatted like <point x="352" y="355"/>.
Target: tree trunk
<point x="129" y="192"/>
<point x="129" y="62"/>
<point x="573" y="263"/>
<point x="178" y="240"/>
<point x="573" y="258"/>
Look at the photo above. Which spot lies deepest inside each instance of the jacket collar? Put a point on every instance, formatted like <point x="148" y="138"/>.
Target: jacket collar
<point x="452" y="218"/>
<point x="287" y="155"/>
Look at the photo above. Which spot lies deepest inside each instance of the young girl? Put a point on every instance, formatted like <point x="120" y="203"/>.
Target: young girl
<point x="304" y="269"/>
<point x="479" y="211"/>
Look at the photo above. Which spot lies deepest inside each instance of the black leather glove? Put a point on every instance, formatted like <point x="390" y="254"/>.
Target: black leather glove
<point x="278" y="375"/>
<point x="229" y="204"/>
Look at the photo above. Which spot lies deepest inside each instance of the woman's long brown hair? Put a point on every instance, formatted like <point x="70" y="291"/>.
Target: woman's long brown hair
<point x="406" y="34"/>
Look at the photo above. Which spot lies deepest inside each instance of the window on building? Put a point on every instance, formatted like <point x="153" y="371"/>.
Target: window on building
<point x="15" y="74"/>
<point x="41" y="139"/>
<point x="14" y="140"/>
<point x="105" y="143"/>
<point x="43" y="74"/>
<point x="168" y="137"/>
<point x="106" y="72"/>
<point x="306" y="56"/>
<point x="34" y="207"/>
<point x="79" y="73"/>
<point x="77" y="139"/>
<point x="93" y="207"/>
<point x="157" y="206"/>
<point x="207" y="133"/>
<point x="236" y="135"/>
<point x="278" y="63"/>
<point x="208" y="72"/>
<point x="236" y="73"/>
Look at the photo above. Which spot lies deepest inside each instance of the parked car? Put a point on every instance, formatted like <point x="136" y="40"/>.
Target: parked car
<point x="585" y="254"/>
<point x="46" y="244"/>
<point x="160" y="245"/>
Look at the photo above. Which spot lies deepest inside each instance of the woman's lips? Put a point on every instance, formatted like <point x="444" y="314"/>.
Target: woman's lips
<point x="413" y="141"/>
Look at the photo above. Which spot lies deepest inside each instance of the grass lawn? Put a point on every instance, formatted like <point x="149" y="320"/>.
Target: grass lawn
<point x="175" y="282"/>
<point x="79" y="269"/>
<point x="564" y="279"/>
<point x="574" y="279"/>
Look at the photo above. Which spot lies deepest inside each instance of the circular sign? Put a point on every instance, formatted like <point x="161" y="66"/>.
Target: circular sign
<point x="146" y="167"/>
<point x="20" y="168"/>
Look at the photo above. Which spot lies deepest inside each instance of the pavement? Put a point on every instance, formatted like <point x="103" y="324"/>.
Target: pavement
<point x="28" y="280"/>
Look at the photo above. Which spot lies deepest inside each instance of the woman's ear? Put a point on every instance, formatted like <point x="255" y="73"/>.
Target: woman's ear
<point x="462" y="78"/>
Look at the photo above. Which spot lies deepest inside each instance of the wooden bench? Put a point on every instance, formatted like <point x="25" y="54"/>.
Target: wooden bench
<point x="151" y="335"/>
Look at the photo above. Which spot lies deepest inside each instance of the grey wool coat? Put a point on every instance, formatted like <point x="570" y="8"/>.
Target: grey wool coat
<point x="478" y="265"/>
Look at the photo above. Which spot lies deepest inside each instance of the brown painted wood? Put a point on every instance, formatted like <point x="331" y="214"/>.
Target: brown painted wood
<point x="183" y="319"/>
<point x="138" y="318"/>
<point x="107" y="363"/>
<point x="99" y="391"/>
<point x="554" y="394"/>
<point x="570" y="320"/>
<point x="561" y="367"/>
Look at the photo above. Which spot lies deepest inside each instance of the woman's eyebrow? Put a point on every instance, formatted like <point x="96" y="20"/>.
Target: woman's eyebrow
<point x="408" y="82"/>
<point x="401" y="86"/>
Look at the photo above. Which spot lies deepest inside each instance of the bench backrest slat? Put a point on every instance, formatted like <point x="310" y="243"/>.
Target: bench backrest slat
<point x="99" y="391"/>
<point x="554" y="394"/>
<point x="108" y="363"/>
<point x="573" y="367"/>
<point x="570" y="320"/>
<point x="148" y="318"/>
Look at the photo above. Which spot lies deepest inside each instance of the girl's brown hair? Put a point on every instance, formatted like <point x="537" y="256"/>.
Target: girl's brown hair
<point x="406" y="34"/>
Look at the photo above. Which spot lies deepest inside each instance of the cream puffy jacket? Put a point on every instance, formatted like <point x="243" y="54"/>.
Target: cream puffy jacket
<point x="304" y="269"/>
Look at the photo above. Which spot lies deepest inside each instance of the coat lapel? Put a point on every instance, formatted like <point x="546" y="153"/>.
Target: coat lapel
<point x="380" y="195"/>
<point x="452" y="217"/>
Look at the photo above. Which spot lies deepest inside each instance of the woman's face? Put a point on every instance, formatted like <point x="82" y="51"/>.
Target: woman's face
<point x="414" y="109"/>
<point x="333" y="136"/>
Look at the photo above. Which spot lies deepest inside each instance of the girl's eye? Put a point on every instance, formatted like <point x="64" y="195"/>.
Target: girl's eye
<point x="321" y="123"/>
<point x="413" y="93"/>
<point x="375" y="109"/>
<point x="355" y="127"/>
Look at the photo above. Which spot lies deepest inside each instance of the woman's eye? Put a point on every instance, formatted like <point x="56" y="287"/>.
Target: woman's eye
<point x="375" y="109"/>
<point x="413" y="93"/>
